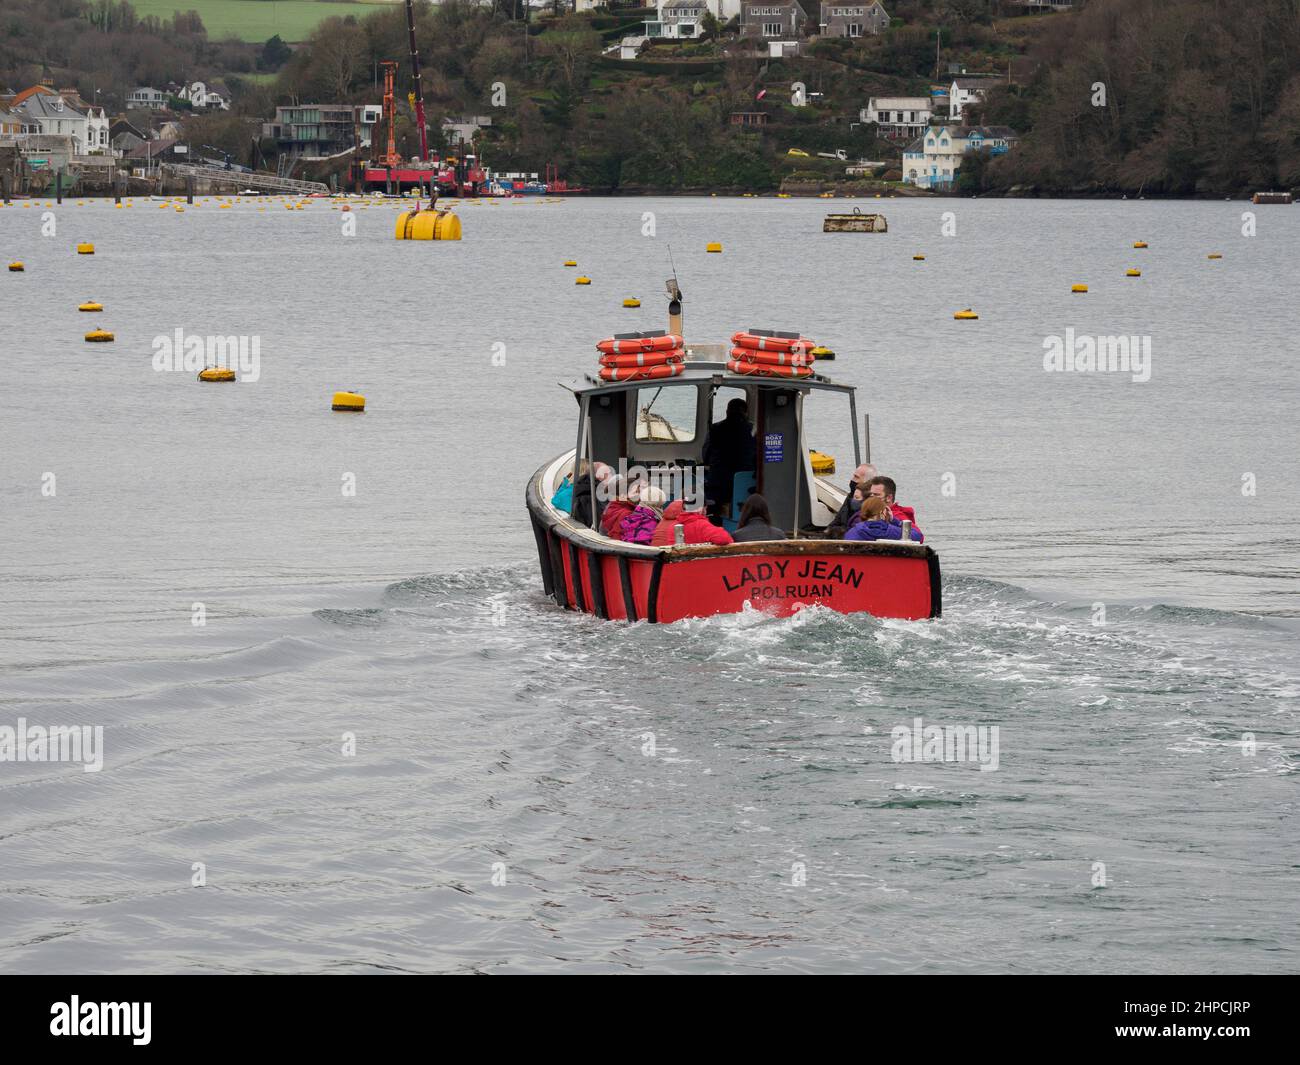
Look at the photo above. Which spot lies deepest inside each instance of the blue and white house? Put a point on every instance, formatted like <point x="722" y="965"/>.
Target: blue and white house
<point x="933" y="160"/>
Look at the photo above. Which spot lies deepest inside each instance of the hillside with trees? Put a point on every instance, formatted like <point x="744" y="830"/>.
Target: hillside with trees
<point x="1201" y="97"/>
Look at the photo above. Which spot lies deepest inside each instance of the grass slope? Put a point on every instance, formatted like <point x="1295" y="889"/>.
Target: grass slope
<point x="256" y="20"/>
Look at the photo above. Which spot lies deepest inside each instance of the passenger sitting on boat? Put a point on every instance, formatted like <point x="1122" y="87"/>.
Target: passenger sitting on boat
<point x="876" y="523"/>
<point x="582" y="492"/>
<point x="849" y="508"/>
<point x="756" y="522"/>
<point x="639" y="526"/>
<point x="621" y="503"/>
<point x="728" y="450"/>
<point x="886" y="489"/>
<point x="696" y="527"/>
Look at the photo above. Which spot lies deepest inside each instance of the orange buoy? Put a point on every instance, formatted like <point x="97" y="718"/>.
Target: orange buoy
<point x="622" y="345"/>
<point x="640" y="373"/>
<point x="758" y="369"/>
<point x="766" y="343"/>
<point x="646" y="358"/>
<point x="774" y="358"/>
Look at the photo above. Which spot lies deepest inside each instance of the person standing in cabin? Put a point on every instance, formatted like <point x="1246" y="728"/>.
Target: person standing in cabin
<point x="849" y="508"/>
<point x="728" y="450"/>
<point x="756" y="522"/>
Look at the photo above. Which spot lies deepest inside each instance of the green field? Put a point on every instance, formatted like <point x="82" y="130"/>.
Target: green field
<point x="256" y="20"/>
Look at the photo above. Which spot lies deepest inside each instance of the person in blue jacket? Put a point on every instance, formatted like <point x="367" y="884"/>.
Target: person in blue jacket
<point x="876" y="523"/>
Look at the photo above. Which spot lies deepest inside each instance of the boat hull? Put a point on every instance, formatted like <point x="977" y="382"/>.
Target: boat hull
<point x="627" y="582"/>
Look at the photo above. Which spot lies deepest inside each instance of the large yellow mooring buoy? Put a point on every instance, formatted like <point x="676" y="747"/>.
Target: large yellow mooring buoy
<point x="85" y="249"/>
<point x="966" y="316"/>
<point x="1139" y="244"/>
<point x="348" y="401"/>
<point x="427" y="225"/>
<point x="216" y="373"/>
<point x="715" y="247"/>
<point x="90" y="305"/>
<point x="1078" y="288"/>
<point x="822" y="464"/>
<point x="16" y="268"/>
<point x="821" y="352"/>
<point x="631" y="301"/>
<point x="582" y="281"/>
<point x="1133" y="272"/>
<point x="1215" y="255"/>
<point x="99" y="336"/>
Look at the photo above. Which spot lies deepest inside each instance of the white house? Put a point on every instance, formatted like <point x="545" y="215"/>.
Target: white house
<point x="201" y="97"/>
<point x="967" y="90"/>
<point x="681" y="19"/>
<point x="145" y="97"/>
<point x="55" y="117"/>
<point x="898" y="116"/>
<point x="934" y="160"/>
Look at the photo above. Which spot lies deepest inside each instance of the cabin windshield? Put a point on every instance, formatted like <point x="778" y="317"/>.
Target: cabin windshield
<point x="666" y="414"/>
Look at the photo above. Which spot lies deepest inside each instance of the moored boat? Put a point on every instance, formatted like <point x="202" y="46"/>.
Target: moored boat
<point x="655" y="430"/>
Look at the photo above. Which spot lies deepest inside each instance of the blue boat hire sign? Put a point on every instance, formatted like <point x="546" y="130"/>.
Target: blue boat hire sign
<point x="773" y="447"/>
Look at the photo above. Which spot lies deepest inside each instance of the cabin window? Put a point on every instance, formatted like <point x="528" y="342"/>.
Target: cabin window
<point x="666" y="414"/>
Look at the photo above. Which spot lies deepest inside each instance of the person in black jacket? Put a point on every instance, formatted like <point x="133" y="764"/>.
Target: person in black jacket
<point x="728" y="450"/>
<point x="581" y="509"/>
<point x="756" y="522"/>
<point x="861" y="478"/>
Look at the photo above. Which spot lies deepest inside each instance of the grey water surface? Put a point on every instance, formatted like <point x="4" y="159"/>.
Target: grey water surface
<point x="539" y="791"/>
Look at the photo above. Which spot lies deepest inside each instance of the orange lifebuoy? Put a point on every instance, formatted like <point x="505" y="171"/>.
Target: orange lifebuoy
<point x="759" y="369"/>
<point x="633" y="345"/>
<point x="758" y="343"/>
<point x="773" y="358"/>
<point x="640" y="373"/>
<point x="649" y="358"/>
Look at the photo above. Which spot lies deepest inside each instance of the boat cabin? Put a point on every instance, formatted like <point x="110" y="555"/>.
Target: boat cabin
<point x="661" y="430"/>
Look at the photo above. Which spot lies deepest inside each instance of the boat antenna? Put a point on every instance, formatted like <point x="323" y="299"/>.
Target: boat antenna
<point x="674" y="298"/>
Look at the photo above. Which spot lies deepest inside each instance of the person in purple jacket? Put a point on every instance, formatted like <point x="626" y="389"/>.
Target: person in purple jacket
<point x="876" y="523"/>
<point x="639" y="526"/>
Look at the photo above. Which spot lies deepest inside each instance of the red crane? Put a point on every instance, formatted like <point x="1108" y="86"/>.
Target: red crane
<point x="415" y="77"/>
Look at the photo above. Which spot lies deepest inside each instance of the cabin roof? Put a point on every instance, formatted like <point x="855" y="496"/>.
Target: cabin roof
<point x="700" y="370"/>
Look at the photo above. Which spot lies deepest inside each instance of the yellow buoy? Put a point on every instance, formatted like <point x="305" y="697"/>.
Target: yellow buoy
<point x="348" y="401"/>
<point x="632" y="302"/>
<point x="99" y="336"/>
<point x="966" y="315"/>
<point x="821" y="464"/>
<point x="1078" y="288"/>
<point x="85" y="249"/>
<point x="1133" y="273"/>
<point x="1139" y="244"/>
<point x="91" y="305"/>
<point x="714" y="247"/>
<point x="16" y="268"/>
<point x="1214" y="255"/>
<point x="427" y="225"/>
<point x="217" y="373"/>
<point x="820" y="352"/>
<point x="918" y="258"/>
<point x="582" y="281"/>
<point x="570" y="262"/>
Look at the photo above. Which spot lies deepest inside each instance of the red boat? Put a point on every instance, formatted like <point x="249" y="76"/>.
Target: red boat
<point x="657" y="429"/>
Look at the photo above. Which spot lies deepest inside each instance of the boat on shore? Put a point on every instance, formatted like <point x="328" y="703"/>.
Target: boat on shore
<point x="652" y="424"/>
